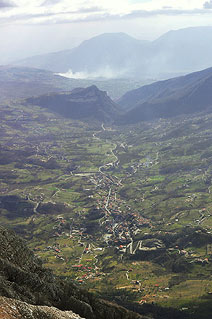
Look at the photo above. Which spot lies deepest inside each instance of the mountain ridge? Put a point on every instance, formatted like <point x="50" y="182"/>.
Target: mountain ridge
<point x="182" y="95"/>
<point x="80" y="103"/>
<point x="106" y="50"/>
<point x="120" y="55"/>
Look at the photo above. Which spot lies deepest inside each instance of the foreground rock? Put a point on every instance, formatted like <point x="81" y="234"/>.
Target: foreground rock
<point x="11" y="308"/>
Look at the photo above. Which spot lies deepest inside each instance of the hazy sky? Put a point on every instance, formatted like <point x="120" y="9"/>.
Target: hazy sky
<point x="29" y="27"/>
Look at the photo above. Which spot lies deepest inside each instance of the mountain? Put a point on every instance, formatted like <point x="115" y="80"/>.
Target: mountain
<point x="181" y="51"/>
<point x="183" y="95"/>
<point x="88" y="103"/>
<point x="117" y="55"/>
<point x="106" y="55"/>
<point x="24" y="282"/>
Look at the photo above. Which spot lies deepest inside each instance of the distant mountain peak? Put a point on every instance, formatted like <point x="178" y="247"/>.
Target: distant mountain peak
<point x="105" y="51"/>
<point x="119" y="55"/>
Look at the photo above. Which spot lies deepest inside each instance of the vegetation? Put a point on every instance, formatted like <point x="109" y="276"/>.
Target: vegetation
<point x="115" y="209"/>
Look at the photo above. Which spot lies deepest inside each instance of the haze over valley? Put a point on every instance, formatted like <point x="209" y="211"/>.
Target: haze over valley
<point x="118" y="55"/>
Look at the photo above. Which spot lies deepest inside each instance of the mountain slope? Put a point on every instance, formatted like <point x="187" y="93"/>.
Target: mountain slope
<point x="183" y="95"/>
<point x="107" y="53"/>
<point x="88" y="103"/>
<point x="23" y="277"/>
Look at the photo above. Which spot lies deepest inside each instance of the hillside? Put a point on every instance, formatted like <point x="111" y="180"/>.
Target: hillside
<point x="183" y="95"/>
<point x="117" y="55"/>
<point x="23" y="278"/>
<point x="88" y="103"/>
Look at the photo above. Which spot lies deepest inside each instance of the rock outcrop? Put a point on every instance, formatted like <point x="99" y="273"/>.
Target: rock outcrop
<point x="15" y="309"/>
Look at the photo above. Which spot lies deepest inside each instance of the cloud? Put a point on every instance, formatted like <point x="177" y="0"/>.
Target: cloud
<point x="208" y="5"/>
<point x="75" y="17"/>
<point x="93" y="15"/>
<point x="85" y="9"/>
<point x="6" y="4"/>
<point x="77" y="11"/>
<point x="50" y="3"/>
<point x="89" y="10"/>
<point x="81" y="15"/>
<point x="161" y="12"/>
<point x="165" y="12"/>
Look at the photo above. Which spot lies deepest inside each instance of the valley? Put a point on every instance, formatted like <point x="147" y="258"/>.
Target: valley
<point x="124" y="211"/>
<point x="105" y="159"/>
